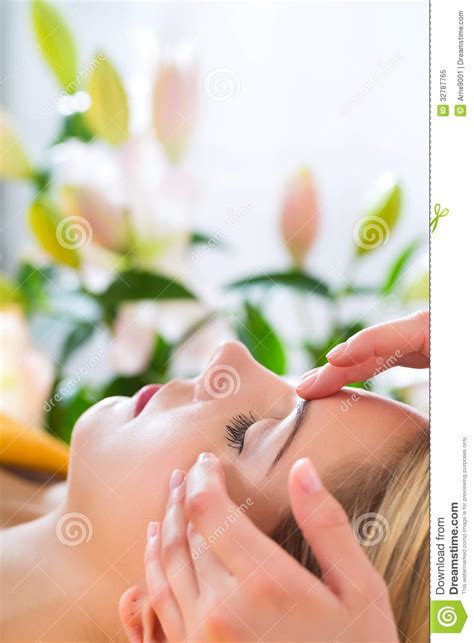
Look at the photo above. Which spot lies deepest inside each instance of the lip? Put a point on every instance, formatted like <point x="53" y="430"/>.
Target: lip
<point x="143" y="396"/>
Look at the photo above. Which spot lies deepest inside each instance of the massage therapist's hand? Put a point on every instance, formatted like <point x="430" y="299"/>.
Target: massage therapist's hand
<point x="403" y="342"/>
<point x="213" y="579"/>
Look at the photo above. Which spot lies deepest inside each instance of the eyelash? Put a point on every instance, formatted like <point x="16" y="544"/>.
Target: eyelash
<point x="237" y="428"/>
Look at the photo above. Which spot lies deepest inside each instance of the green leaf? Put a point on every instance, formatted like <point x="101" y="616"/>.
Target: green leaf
<point x="107" y="116"/>
<point x="398" y="266"/>
<point x="49" y="227"/>
<point x="34" y="283"/>
<point x="41" y="179"/>
<point x="74" y="340"/>
<point x="134" y="285"/>
<point x="352" y="290"/>
<point x="14" y="162"/>
<point x="374" y="229"/>
<point x="65" y="406"/>
<point x="295" y="279"/>
<point x="56" y="43"/>
<point x="160" y="359"/>
<point x="10" y="293"/>
<point x="365" y="384"/>
<point x="74" y="126"/>
<point x="418" y="289"/>
<point x="201" y="238"/>
<point x="261" y="339"/>
<point x="124" y="385"/>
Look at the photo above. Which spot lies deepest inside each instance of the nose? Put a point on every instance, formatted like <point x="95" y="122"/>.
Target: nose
<point x="232" y="370"/>
<point x="230" y="352"/>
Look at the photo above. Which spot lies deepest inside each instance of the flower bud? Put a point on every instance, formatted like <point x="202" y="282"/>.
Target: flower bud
<point x="175" y="92"/>
<point x="105" y="218"/>
<point x="299" y="221"/>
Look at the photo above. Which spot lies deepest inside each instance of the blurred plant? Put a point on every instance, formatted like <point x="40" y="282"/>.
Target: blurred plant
<point x="26" y="374"/>
<point x="175" y="93"/>
<point x="300" y="216"/>
<point x="107" y="115"/>
<point x="14" y="163"/>
<point x="124" y="243"/>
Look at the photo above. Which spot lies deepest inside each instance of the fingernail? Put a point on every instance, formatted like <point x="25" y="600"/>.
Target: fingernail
<point x="307" y="476"/>
<point x="307" y="382"/>
<point x="176" y="478"/>
<point x="337" y="350"/>
<point x="152" y="530"/>
<point x="205" y="457"/>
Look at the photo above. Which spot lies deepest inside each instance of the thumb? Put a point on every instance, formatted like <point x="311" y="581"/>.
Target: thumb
<point x="327" y="529"/>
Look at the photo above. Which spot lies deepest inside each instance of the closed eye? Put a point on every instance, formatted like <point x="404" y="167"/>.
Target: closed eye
<point x="237" y="428"/>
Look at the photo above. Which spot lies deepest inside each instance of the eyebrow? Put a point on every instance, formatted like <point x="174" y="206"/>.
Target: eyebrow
<point x="298" y="421"/>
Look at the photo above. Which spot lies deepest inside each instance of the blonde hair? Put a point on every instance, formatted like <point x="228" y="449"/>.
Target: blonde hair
<point x="388" y="506"/>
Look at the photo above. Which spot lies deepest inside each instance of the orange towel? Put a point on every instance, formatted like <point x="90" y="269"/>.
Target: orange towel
<point x="31" y="448"/>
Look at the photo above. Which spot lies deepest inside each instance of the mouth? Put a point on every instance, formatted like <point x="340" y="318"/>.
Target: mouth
<point x="143" y="396"/>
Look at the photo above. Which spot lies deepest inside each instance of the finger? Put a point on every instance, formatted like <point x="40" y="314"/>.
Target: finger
<point x="159" y="590"/>
<point x="211" y="574"/>
<point x="407" y="335"/>
<point x="329" y="379"/>
<point x="327" y="529"/>
<point x="175" y="554"/>
<point x="130" y="615"/>
<point x="233" y="537"/>
<point x="152" y="632"/>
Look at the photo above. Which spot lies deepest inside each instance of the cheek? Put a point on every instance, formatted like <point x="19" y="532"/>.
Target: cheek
<point x="100" y="420"/>
<point x="263" y="499"/>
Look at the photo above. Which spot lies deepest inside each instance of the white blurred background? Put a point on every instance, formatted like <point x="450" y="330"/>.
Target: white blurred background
<point x="299" y="68"/>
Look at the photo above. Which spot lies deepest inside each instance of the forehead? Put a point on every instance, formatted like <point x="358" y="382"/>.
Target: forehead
<point x="354" y="425"/>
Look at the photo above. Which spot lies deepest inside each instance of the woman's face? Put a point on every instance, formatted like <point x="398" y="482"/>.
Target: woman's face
<point x="123" y="452"/>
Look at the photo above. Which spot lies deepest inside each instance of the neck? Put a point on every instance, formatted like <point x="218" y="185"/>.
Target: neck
<point x="52" y="590"/>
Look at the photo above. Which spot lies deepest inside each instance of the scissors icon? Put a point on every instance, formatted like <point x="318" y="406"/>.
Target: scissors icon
<point x="438" y="215"/>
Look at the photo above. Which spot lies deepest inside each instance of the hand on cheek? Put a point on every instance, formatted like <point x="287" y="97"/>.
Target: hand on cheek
<point x="212" y="579"/>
